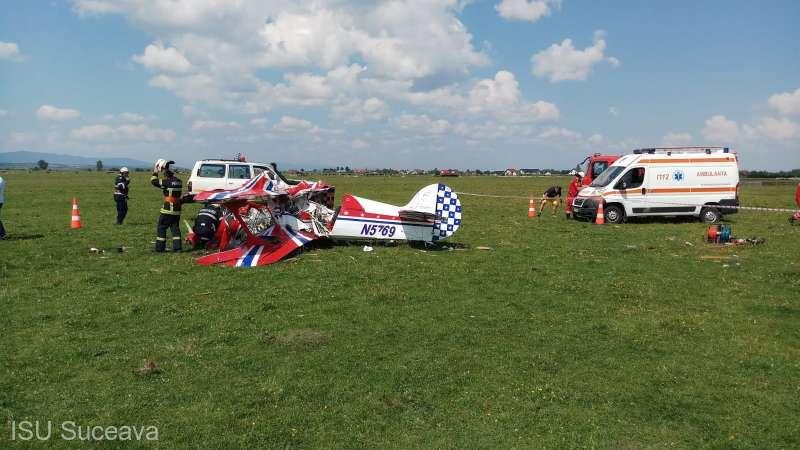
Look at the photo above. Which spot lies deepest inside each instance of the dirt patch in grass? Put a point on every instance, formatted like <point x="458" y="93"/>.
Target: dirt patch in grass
<point x="302" y="338"/>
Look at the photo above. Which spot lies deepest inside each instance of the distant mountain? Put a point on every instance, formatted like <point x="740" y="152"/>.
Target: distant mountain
<point x="56" y="161"/>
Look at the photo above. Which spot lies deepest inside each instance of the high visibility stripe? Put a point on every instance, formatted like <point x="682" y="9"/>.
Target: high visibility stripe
<point x="691" y="190"/>
<point x="161" y="239"/>
<point x="76" y="217"/>
<point x="176" y="237"/>
<point x="686" y="160"/>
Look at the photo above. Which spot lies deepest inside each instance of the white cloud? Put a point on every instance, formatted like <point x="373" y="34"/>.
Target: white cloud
<point x="359" y="144"/>
<point x="562" y="61"/>
<point x="131" y="117"/>
<point x="289" y="124"/>
<point x="48" y="112"/>
<point x="501" y="97"/>
<point x="786" y="102"/>
<point x="259" y="122"/>
<point x="613" y="111"/>
<point x="157" y="57"/>
<point x="85" y="7"/>
<point x="528" y="10"/>
<point x="125" y="117"/>
<point x="558" y="133"/>
<point x="778" y="129"/>
<point x="3" y="113"/>
<point x="358" y="111"/>
<point x="596" y="139"/>
<point x="9" y="50"/>
<point x="676" y="139"/>
<point x="213" y="125"/>
<point x="412" y="122"/>
<point x="137" y="132"/>
<point x="720" y="129"/>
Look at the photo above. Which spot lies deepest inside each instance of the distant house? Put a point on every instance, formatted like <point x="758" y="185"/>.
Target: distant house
<point x="511" y="172"/>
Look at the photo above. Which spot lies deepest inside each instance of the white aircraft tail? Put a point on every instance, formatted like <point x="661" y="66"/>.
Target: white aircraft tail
<point x="439" y="203"/>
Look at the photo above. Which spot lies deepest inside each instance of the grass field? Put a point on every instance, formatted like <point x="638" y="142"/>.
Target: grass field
<point x="564" y="334"/>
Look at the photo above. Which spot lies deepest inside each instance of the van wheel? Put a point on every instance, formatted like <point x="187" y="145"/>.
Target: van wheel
<point x="615" y="214"/>
<point x="710" y="215"/>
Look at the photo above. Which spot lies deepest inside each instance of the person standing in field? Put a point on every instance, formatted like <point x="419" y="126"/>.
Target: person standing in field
<point x="553" y="196"/>
<point x="572" y="191"/>
<point x="2" y="200"/>
<point x="796" y="194"/>
<point x="121" y="194"/>
<point x="170" y="216"/>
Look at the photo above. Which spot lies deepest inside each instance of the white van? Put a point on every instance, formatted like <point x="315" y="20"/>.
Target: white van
<point x="677" y="181"/>
<point x="217" y="174"/>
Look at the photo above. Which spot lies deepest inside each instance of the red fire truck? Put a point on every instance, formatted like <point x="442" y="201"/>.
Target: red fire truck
<point x="594" y="165"/>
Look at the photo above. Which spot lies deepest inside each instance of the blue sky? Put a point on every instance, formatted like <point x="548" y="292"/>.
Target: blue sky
<point x="404" y="83"/>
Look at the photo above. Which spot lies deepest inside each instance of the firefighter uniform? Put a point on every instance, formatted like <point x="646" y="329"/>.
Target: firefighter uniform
<point x="121" y="194"/>
<point x="170" y="216"/>
<point x="206" y="223"/>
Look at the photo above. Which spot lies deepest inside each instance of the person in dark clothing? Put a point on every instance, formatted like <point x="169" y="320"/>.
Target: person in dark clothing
<point x="170" y="217"/>
<point x="2" y="188"/>
<point x="206" y="223"/>
<point x="551" y="195"/>
<point x="121" y="184"/>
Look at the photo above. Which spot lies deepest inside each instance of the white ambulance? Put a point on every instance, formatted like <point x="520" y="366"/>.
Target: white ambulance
<point x="678" y="181"/>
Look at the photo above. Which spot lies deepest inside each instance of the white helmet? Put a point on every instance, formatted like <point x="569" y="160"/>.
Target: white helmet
<point x="123" y="170"/>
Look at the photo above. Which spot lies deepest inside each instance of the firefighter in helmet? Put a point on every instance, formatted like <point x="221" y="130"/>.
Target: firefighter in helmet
<point x="170" y="217"/>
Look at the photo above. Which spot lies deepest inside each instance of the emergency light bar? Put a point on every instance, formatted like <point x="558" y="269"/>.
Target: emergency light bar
<point x="670" y="150"/>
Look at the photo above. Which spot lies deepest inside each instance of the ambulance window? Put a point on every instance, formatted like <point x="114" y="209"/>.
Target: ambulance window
<point x="599" y="167"/>
<point x="633" y="179"/>
<point x="211" y="171"/>
<point x="237" y="172"/>
<point x="607" y="176"/>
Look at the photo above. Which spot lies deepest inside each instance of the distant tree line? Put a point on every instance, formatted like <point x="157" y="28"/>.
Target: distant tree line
<point x="795" y="173"/>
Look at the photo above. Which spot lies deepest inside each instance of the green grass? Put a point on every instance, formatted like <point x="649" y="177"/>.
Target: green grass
<point x="564" y="334"/>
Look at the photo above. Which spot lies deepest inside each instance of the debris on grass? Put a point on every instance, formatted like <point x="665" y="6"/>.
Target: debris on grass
<point x="149" y="368"/>
<point x="481" y="247"/>
<point x="689" y="243"/>
<point x="367" y="248"/>
<point x="98" y="251"/>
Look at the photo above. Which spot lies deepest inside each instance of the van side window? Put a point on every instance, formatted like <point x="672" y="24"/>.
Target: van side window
<point x="633" y="179"/>
<point x="238" y="172"/>
<point x="211" y="171"/>
<point x="599" y="167"/>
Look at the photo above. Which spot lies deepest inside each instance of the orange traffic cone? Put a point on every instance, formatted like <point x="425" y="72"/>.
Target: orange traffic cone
<point x="76" y="215"/>
<point x="531" y="208"/>
<point x="601" y="214"/>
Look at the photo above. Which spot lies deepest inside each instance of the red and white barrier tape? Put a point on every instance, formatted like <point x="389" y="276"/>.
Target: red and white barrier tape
<point x="745" y="208"/>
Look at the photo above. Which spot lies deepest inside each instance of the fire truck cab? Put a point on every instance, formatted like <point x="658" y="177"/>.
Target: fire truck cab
<point x="594" y="165"/>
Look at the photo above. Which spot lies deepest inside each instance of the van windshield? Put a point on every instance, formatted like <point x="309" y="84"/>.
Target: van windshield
<point x="607" y="176"/>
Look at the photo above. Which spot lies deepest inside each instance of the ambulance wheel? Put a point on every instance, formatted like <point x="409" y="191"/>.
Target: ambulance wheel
<point x="615" y="214"/>
<point x="710" y="215"/>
